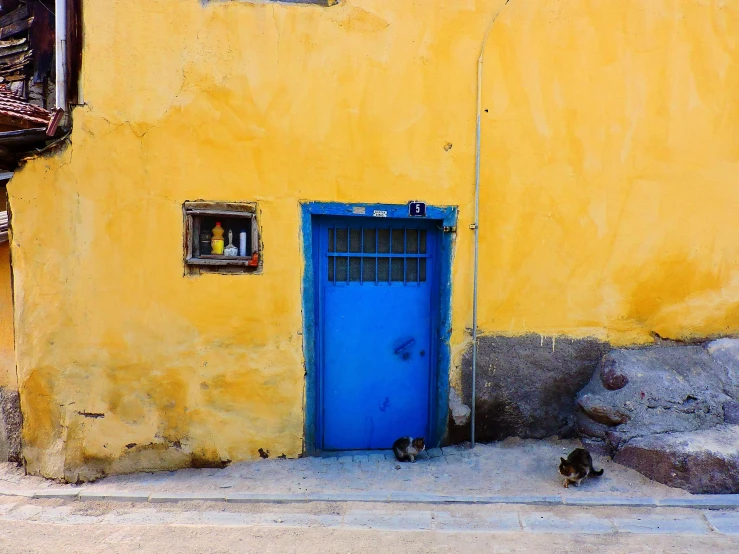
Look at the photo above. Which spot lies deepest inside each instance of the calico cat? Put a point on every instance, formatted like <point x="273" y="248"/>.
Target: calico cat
<point x="407" y="448"/>
<point x="577" y="466"/>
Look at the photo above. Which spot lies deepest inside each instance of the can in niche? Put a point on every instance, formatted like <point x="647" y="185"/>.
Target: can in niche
<point x="205" y="248"/>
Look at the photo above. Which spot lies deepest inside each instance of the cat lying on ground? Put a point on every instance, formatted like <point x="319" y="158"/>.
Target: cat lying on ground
<point x="407" y="448"/>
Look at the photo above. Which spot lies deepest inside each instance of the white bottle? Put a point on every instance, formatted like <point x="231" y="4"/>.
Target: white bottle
<point x="242" y="244"/>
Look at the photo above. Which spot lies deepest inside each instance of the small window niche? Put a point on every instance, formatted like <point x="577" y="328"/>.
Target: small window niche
<point x="240" y="218"/>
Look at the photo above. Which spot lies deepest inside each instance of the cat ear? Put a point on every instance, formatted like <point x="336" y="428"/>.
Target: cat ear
<point x="563" y="460"/>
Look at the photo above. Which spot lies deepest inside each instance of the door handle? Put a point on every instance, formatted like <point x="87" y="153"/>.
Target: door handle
<point x="405" y="345"/>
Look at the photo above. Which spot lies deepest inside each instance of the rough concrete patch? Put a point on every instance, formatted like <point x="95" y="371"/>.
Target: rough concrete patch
<point x="661" y="524"/>
<point x="11" y="422"/>
<point x="526" y="385"/>
<point x="726" y="523"/>
<point x="547" y="522"/>
<point x="460" y="412"/>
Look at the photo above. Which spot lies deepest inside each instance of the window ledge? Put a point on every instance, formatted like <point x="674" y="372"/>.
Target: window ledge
<point x="234" y="261"/>
<point x="325" y="3"/>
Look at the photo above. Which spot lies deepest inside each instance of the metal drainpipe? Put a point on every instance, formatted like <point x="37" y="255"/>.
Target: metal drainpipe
<point x="60" y="29"/>
<point x="476" y="225"/>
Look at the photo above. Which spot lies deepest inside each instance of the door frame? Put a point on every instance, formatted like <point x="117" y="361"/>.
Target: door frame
<point x="446" y="218"/>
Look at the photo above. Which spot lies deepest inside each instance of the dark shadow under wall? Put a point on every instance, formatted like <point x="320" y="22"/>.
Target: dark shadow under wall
<point x="526" y="386"/>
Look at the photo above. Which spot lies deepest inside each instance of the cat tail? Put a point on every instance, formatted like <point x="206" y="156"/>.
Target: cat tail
<point x="595" y="473"/>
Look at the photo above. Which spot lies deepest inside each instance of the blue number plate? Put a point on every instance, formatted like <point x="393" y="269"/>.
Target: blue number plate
<point x="417" y="209"/>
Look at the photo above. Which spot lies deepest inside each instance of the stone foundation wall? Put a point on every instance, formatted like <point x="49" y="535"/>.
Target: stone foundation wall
<point x="526" y="386"/>
<point x="10" y="425"/>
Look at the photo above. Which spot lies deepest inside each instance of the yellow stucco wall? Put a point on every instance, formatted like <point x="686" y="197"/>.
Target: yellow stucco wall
<point x="610" y="205"/>
<point x="8" y="376"/>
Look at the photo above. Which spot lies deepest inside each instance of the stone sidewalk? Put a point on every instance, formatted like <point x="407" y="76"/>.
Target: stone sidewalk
<point x="389" y="517"/>
<point x="510" y="472"/>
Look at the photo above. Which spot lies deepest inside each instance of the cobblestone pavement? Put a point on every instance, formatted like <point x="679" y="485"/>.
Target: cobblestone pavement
<point x="512" y="468"/>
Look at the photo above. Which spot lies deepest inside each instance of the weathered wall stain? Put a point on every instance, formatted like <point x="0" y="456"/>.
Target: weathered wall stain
<point x="608" y="199"/>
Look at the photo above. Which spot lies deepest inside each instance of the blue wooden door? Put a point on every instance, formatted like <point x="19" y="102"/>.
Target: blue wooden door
<point x="376" y="321"/>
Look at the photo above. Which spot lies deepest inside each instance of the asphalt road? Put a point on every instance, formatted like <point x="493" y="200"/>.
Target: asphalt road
<point x="62" y="526"/>
<point x="47" y="537"/>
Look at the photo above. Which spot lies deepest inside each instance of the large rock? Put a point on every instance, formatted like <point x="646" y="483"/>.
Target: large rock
<point x="645" y="391"/>
<point x="526" y="385"/>
<point x="725" y="352"/>
<point x="698" y="461"/>
<point x="670" y="412"/>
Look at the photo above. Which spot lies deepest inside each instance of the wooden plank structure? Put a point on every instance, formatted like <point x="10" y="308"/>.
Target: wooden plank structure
<point x="27" y="48"/>
<point x="29" y="120"/>
<point x="15" y="51"/>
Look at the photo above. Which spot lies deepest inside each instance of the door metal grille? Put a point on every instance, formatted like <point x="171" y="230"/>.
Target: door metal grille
<point x="377" y="256"/>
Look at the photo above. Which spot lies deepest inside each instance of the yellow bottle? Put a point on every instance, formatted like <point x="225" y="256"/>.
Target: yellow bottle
<point x="216" y="243"/>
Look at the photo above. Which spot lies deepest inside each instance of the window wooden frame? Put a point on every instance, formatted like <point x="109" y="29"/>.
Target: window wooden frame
<point x="195" y="263"/>
<point x="325" y="3"/>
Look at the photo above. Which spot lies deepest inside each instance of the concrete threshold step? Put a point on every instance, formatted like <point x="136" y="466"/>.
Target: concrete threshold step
<point x="704" y="502"/>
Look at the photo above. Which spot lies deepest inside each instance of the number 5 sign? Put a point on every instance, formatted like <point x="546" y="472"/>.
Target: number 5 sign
<point x="417" y="209"/>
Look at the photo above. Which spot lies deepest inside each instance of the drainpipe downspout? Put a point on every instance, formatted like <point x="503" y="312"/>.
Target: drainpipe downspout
<point x="60" y="26"/>
<point x="476" y="225"/>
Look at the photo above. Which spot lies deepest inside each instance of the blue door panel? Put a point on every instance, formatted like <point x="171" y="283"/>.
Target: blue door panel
<point x="376" y="293"/>
<point x="376" y="348"/>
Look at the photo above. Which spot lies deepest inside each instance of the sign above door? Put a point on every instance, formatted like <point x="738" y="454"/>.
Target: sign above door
<point x="417" y="209"/>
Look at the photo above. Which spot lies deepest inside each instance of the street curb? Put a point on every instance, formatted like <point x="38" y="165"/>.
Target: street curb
<point x="252" y="498"/>
<point x="699" y="502"/>
<point x="64" y="494"/>
<point x="611" y="501"/>
<point x="708" y="502"/>
<point x="97" y="496"/>
<point x="186" y="497"/>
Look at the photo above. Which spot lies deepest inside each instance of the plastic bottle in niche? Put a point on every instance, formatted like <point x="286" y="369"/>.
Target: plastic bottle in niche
<point x="242" y="244"/>
<point x="216" y="243"/>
